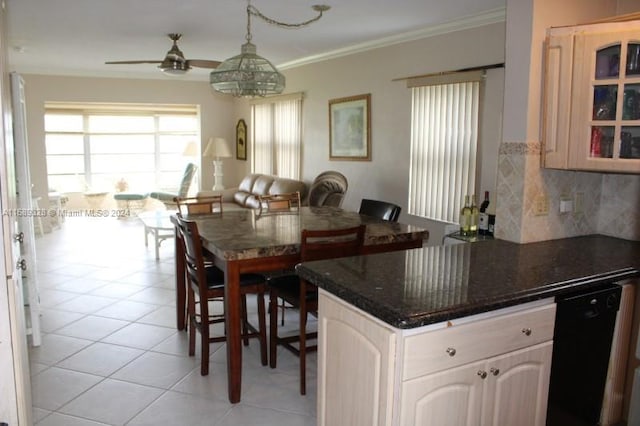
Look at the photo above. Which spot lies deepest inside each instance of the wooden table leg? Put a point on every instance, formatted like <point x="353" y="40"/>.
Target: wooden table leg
<point x="232" y="310"/>
<point x="181" y="289"/>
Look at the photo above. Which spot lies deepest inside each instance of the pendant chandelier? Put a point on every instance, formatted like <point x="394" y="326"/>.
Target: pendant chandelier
<point x="249" y="74"/>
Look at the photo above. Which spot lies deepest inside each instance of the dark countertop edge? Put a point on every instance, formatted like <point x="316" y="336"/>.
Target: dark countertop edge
<point x="393" y="318"/>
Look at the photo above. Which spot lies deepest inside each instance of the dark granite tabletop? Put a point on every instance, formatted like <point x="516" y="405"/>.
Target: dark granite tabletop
<point x="423" y="286"/>
<point x="244" y="234"/>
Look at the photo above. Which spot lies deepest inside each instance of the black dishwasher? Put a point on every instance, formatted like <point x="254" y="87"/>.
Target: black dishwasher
<point x="583" y="333"/>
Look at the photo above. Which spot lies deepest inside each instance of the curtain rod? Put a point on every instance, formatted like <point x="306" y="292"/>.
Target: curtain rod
<point x="483" y="67"/>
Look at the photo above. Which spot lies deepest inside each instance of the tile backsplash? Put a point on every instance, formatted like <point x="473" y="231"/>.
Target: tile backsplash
<point x="607" y="204"/>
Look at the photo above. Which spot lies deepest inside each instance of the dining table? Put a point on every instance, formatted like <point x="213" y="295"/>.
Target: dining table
<point x="244" y="241"/>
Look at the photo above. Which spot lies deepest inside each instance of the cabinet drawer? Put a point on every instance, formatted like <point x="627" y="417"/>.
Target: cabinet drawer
<point x="460" y="344"/>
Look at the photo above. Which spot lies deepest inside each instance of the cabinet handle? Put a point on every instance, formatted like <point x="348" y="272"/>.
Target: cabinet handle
<point x="526" y="331"/>
<point x="22" y="264"/>
<point x="482" y="374"/>
<point x="495" y="371"/>
<point x="451" y="351"/>
<point x="19" y="237"/>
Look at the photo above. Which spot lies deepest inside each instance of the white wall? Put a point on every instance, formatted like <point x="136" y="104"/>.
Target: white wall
<point x="386" y="175"/>
<point x="216" y="113"/>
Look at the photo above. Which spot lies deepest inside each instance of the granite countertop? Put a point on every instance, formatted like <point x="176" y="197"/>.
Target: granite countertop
<point x="244" y="234"/>
<point x="412" y="288"/>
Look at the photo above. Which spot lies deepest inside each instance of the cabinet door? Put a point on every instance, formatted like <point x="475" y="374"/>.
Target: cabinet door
<point x="605" y="123"/>
<point x="557" y="100"/>
<point x="356" y="356"/>
<point x="517" y="387"/>
<point x="451" y="397"/>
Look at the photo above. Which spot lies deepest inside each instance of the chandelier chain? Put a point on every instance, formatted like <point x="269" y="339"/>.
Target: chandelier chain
<point x="255" y="12"/>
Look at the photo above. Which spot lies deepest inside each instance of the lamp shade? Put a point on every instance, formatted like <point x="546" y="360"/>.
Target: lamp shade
<point x="217" y="148"/>
<point x="190" y="149"/>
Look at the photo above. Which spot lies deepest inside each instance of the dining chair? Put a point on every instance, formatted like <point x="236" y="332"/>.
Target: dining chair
<point x="199" y="205"/>
<point x="279" y="203"/>
<point x="314" y="245"/>
<point x="205" y="284"/>
<point x="380" y="209"/>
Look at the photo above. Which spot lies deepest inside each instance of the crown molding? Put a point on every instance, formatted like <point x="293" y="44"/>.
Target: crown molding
<point x="490" y="17"/>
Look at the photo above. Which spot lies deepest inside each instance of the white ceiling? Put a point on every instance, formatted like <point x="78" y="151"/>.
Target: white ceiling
<point x="76" y="37"/>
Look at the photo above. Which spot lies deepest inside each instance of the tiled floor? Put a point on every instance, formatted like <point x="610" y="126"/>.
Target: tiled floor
<point x="111" y="355"/>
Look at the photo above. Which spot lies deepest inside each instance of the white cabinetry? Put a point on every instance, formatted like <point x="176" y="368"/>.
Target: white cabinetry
<point x="592" y="98"/>
<point x="483" y="370"/>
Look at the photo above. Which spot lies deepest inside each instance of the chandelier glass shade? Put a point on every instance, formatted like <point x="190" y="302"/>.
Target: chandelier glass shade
<point x="249" y="74"/>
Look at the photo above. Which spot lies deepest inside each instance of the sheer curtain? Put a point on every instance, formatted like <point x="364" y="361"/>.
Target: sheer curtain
<point x="444" y="141"/>
<point x="277" y="136"/>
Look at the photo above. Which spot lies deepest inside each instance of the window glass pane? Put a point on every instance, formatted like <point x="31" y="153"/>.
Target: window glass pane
<point x="104" y="163"/>
<point x="63" y="122"/>
<point x="121" y="124"/>
<point x="174" y="144"/>
<point x="64" y="144"/>
<point x="177" y="123"/>
<point x="121" y="144"/>
<point x="125" y="146"/>
<point x="67" y="183"/>
<point x="65" y="164"/>
<point x="169" y="163"/>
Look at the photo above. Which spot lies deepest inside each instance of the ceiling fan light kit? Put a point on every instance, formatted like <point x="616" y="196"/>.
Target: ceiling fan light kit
<point x="251" y="75"/>
<point x="174" y="62"/>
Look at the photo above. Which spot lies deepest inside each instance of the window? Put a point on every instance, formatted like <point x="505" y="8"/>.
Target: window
<point x="444" y="140"/>
<point x="277" y="134"/>
<point x="94" y="147"/>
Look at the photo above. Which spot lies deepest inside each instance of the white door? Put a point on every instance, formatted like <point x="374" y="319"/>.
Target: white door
<point x="25" y="222"/>
<point x="15" y="391"/>
<point x="451" y="397"/>
<point x="517" y="387"/>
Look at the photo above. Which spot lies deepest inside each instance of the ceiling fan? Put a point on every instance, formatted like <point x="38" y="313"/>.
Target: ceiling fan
<point x="174" y="62"/>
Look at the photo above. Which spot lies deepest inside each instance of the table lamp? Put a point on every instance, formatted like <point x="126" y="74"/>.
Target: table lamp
<point x="217" y="148"/>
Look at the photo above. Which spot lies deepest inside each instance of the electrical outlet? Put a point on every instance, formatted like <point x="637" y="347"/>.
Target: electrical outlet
<point x="541" y="205"/>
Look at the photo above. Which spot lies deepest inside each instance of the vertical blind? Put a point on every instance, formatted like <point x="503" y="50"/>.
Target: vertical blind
<point x="444" y="139"/>
<point x="277" y="136"/>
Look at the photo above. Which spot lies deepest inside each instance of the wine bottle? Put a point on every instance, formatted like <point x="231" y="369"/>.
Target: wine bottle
<point x="483" y="216"/>
<point x="465" y="218"/>
<point x="473" y="227"/>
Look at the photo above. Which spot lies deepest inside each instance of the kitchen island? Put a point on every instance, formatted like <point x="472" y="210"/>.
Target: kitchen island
<point x="420" y="324"/>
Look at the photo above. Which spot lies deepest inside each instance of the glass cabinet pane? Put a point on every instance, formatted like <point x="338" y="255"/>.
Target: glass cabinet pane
<point x="602" y="141"/>
<point x="633" y="59"/>
<point x="631" y="102"/>
<point x="630" y="142"/>
<point x="608" y="62"/>
<point x="604" y="102"/>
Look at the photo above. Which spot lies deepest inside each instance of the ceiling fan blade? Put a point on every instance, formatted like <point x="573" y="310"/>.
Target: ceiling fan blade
<point x="133" y="62"/>
<point x="203" y="63"/>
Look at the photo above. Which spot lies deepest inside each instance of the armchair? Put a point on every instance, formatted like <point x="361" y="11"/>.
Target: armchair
<point x="167" y="198"/>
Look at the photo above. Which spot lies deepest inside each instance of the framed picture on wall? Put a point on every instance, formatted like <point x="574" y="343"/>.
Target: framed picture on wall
<point x="241" y="140"/>
<point x="350" y="128"/>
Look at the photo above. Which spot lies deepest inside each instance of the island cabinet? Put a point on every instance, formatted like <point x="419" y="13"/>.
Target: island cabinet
<point x="486" y="369"/>
<point x="591" y="111"/>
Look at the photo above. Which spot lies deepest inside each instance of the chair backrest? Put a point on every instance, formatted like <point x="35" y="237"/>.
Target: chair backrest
<point x="187" y="178"/>
<point x="380" y="209"/>
<point x="332" y="243"/>
<point x="189" y="238"/>
<point x="279" y="203"/>
<point x="328" y="189"/>
<point x="199" y="205"/>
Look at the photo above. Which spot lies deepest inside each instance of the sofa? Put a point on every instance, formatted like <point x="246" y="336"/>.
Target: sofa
<point x="254" y="185"/>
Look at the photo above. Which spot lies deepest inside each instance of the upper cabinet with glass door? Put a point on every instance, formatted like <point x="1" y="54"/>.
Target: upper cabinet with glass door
<point x="592" y="98"/>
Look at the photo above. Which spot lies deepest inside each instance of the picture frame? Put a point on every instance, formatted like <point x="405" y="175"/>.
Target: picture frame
<point x="350" y="128"/>
<point x="241" y="140"/>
